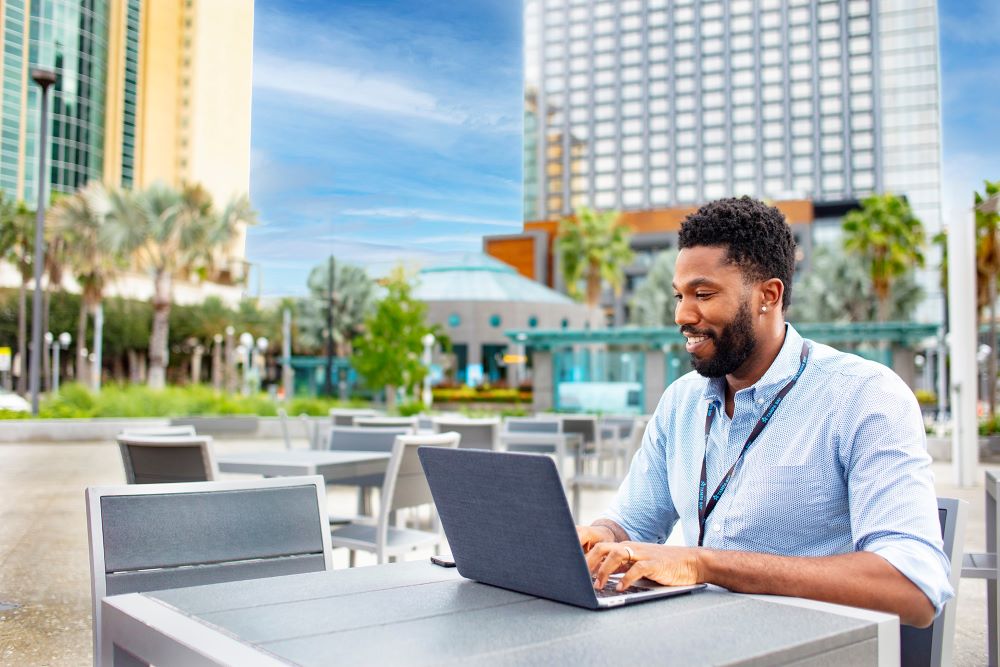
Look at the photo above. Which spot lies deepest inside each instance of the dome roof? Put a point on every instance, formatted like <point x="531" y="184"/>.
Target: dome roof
<point x="479" y="277"/>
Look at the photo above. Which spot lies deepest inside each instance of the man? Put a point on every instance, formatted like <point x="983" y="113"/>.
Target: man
<point x="795" y="469"/>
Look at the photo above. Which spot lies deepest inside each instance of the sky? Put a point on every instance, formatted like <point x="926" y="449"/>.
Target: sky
<point x="382" y="132"/>
<point x="388" y="131"/>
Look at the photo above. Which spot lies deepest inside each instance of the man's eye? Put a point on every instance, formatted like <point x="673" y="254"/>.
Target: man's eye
<point x="703" y="295"/>
<point x="677" y="297"/>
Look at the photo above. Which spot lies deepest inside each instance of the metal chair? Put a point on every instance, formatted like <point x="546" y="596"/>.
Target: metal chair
<point x="151" y="460"/>
<point x="386" y="422"/>
<point x="160" y="431"/>
<point x="932" y="646"/>
<point x="345" y="416"/>
<point x="405" y="487"/>
<point x="306" y="425"/>
<point x="359" y="439"/>
<point x="476" y="433"/>
<point x="159" y="536"/>
<point x="609" y="482"/>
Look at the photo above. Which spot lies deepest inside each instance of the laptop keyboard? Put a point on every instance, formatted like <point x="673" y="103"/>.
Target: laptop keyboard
<point x="610" y="591"/>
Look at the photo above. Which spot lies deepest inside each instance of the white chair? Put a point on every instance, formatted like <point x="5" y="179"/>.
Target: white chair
<point x="307" y="426"/>
<point x="152" y="460"/>
<point x="386" y="422"/>
<point x="932" y="646"/>
<point x="405" y="487"/>
<point x="476" y="433"/>
<point x="159" y="536"/>
<point x="613" y="481"/>
<point x="345" y="416"/>
<point x="160" y="431"/>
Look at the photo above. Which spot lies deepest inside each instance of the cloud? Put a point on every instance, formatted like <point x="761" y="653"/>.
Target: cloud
<point x="431" y="216"/>
<point x="351" y="87"/>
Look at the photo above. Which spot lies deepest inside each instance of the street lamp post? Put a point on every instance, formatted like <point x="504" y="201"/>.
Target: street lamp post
<point x="44" y="78"/>
<point x="61" y="343"/>
<point x="428" y="396"/>
<point x="262" y="344"/>
<point x="245" y="352"/>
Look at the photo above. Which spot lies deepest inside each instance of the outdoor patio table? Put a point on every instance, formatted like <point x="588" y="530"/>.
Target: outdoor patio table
<point x="336" y="467"/>
<point x="416" y="613"/>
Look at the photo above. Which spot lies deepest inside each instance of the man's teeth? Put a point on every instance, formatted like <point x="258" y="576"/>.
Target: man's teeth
<point x="696" y="339"/>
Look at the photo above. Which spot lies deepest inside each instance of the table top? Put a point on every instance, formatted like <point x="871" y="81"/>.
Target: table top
<point x="331" y="464"/>
<point x="418" y="613"/>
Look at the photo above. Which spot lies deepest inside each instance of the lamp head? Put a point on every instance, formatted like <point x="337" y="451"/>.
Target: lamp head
<point x="43" y="77"/>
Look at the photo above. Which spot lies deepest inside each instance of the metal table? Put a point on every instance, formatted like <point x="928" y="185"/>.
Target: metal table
<point x="416" y="613"/>
<point x="335" y="466"/>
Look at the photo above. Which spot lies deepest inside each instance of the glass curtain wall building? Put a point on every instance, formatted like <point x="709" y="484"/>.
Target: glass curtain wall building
<point x="70" y="37"/>
<point x="646" y="104"/>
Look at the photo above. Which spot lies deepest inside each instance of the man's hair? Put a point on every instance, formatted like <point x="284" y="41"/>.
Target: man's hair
<point x="755" y="236"/>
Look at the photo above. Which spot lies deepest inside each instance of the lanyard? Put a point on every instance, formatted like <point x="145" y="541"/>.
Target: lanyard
<point x="705" y="509"/>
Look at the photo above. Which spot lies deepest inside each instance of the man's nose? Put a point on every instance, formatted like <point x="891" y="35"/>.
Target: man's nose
<point x="686" y="312"/>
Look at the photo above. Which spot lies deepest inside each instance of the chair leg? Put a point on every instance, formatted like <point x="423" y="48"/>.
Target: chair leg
<point x="350" y="558"/>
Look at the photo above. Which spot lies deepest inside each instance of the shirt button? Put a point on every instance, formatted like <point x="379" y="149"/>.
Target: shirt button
<point x="716" y="527"/>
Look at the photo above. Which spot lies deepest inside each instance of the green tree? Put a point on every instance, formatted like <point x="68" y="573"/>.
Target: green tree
<point x="173" y="234"/>
<point x="388" y="353"/>
<point x="889" y="238"/>
<point x="593" y="247"/>
<point x="17" y="241"/>
<point x="350" y="294"/>
<point x="838" y="288"/>
<point x="653" y="302"/>
<point x="81" y="221"/>
<point x="987" y="273"/>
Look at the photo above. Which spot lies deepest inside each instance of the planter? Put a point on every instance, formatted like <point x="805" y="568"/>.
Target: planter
<point x="940" y="447"/>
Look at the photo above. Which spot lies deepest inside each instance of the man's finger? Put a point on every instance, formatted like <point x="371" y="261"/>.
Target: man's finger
<point x="638" y="570"/>
<point x="595" y="555"/>
<point x="611" y="564"/>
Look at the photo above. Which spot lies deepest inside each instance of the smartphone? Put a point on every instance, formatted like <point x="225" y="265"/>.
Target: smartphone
<point x="443" y="561"/>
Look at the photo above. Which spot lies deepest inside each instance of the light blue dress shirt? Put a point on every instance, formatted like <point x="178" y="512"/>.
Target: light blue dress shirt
<point x="842" y="466"/>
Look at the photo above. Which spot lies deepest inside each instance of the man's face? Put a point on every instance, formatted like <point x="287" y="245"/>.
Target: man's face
<point x="714" y="310"/>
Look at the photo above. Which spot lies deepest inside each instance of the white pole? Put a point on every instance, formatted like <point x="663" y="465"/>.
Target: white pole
<point x="963" y="345"/>
<point x="95" y="374"/>
<point x="287" y="373"/>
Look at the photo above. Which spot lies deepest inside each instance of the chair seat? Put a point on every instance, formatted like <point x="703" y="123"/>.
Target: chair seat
<point x="362" y="537"/>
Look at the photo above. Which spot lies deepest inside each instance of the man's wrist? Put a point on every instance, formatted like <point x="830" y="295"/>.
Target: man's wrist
<point x="703" y="560"/>
<point x="616" y="532"/>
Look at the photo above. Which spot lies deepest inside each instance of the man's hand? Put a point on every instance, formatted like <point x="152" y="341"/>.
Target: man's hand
<point x="670" y="566"/>
<point x="591" y="535"/>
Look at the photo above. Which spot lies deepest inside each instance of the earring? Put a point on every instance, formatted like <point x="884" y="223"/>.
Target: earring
<point x="763" y="309"/>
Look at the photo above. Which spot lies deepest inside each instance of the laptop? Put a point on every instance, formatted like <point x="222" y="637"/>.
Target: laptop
<point x="508" y="524"/>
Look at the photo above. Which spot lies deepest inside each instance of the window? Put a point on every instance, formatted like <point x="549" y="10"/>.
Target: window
<point x="454" y="320"/>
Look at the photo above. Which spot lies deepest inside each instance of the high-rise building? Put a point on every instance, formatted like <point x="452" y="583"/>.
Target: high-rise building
<point x="146" y="90"/>
<point x="677" y="102"/>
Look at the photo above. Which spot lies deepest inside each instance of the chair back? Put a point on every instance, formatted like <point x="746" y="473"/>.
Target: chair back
<point x="585" y="425"/>
<point x="932" y="646"/>
<point x="154" y="460"/>
<point x="161" y="431"/>
<point x="360" y="439"/>
<point x="405" y="483"/>
<point x="345" y="416"/>
<point x="528" y="425"/>
<point x="475" y="433"/>
<point x="623" y="425"/>
<point x="385" y="422"/>
<point x="159" y="536"/>
<point x="307" y="428"/>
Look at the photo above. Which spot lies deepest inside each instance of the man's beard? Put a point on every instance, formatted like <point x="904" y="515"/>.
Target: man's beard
<point x="732" y="347"/>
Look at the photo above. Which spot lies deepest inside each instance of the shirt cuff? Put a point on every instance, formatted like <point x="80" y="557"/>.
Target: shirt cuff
<point x="922" y="564"/>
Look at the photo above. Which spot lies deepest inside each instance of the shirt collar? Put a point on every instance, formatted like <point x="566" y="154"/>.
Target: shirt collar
<point x="784" y="366"/>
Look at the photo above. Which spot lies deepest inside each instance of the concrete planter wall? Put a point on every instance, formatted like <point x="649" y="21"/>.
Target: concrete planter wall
<point x="62" y="430"/>
<point x="940" y="448"/>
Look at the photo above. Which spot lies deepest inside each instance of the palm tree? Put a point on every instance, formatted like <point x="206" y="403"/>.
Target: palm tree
<point x="17" y="230"/>
<point x="593" y="246"/>
<point x="81" y="220"/>
<point x="890" y="239"/>
<point x="653" y="302"/>
<point x="987" y="272"/>
<point x="173" y="234"/>
<point x="351" y="300"/>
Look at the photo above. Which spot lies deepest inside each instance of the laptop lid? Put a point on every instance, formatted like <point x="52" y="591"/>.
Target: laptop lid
<point x="508" y="523"/>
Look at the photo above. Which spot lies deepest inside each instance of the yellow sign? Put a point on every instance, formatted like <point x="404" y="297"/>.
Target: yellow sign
<point x="4" y="359"/>
<point x="514" y="358"/>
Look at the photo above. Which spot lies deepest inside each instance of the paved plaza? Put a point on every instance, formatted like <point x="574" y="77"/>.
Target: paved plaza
<point x="45" y="604"/>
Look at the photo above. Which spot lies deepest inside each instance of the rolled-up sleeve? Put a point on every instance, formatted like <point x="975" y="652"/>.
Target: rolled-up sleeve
<point x="643" y="506"/>
<point x="893" y="504"/>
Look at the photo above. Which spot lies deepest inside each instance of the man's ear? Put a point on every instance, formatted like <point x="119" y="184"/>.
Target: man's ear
<point x="772" y="292"/>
